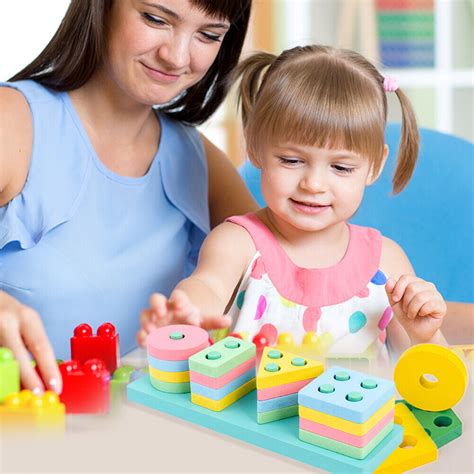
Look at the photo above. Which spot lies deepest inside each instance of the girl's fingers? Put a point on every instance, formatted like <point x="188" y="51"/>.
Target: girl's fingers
<point x="141" y="337"/>
<point x="400" y="287"/>
<point x="220" y="321"/>
<point x="417" y="302"/>
<point x="413" y="289"/>
<point x="158" y="305"/>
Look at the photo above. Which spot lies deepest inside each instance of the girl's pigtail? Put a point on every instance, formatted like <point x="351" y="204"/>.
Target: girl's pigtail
<point x="250" y="73"/>
<point x="409" y="145"/>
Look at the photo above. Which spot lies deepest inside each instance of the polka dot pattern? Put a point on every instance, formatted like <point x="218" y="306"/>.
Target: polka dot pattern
<point x="379" y="278"/>
<point x="287" y="303"/>
<point x="261" y="307"/>
<point x="363" y="293"/>
<point x="240" y="299"/>
<point x="310" y="319"/>
<point x="357" y="321"/>
<point x="258" y="269"/>
<point x="385" y="319"/>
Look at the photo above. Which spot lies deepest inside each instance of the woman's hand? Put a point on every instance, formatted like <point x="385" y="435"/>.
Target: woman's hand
<point x="418" y="306"/>
<point x="22" y="331"/>
<point x="178" y="309"/>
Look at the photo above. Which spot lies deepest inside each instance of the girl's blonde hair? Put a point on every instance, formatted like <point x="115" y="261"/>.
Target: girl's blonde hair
<point x="322" y="96"/>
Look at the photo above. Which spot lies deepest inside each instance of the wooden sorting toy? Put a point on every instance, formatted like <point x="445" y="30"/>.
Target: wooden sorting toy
<point x="222" y="373"/>
<point x="416" y="449"/>
<point x="346" y="411"/>
<point x="168" y="351"/>
<point x="279" y="378"/>
<point x="430" y="377"/>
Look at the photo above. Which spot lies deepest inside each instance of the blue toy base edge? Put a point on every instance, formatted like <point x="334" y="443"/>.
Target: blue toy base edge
<point x="239" y="421"/>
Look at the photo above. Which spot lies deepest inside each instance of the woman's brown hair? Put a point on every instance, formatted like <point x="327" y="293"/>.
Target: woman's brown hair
<point x="323" y="96"/>
<point x="77" y="49"/>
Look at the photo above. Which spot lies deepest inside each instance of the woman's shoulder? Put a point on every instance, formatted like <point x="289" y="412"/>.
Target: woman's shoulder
<point x="16" y="138"/>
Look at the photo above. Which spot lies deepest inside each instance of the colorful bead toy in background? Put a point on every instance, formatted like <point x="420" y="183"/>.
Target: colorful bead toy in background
<point x="104" y="345"/>
<point x="279" y="378"/>
<point x="346" y="411"/>
<point x="25" y="410"/>
<point x="222" y="373"/>
<point x="9" y="373"/>
<point x="86" y="388"/>
<point x="169" y="349"/>
<point x="416" y="449"/>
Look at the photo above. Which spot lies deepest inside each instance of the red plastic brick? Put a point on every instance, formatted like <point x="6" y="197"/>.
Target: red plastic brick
<point x="104" y="345"/>
<point x="86" y="388"/>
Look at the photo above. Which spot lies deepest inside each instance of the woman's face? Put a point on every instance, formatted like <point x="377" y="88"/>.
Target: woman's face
<point x="159" y="48"/>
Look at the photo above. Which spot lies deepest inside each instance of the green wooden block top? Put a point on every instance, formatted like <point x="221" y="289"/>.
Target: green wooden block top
<point x="278" y="414"/>
<point x="343" y="448"/>
<point x="442" y="426"/>
<point x="222" y="357"/>
<point x="9" y="373"/>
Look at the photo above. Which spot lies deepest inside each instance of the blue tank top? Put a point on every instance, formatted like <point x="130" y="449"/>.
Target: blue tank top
<point x="83" y="244"/>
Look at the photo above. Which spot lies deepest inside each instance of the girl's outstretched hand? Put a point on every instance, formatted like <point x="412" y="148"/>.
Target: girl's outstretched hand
<point x="177" y="309"/>
<point x="418" y="306"/>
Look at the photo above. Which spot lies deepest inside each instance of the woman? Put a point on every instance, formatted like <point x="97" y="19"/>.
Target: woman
<point x="102" y="199"/>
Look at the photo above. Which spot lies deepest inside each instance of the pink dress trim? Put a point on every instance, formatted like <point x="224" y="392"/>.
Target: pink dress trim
<point x="317" y="287"/>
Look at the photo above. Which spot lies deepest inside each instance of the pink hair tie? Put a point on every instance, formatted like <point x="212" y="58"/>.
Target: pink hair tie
<point x="390" y="84"/>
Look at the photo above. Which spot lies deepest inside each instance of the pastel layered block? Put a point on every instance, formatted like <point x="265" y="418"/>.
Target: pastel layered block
<point x="223" y="373"/>
<point x="168" y="352"/>
<point x="346" y="411"/>
<point x="280" y="376"/>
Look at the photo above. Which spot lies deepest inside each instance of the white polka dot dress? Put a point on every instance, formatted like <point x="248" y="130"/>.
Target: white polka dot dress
<point x="346" y="304"/>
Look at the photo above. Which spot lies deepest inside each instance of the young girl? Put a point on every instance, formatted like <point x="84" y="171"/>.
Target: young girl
<point x="314" y="120"/>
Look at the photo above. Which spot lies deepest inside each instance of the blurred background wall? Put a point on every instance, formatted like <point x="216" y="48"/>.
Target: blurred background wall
<point x="427" y="45"/>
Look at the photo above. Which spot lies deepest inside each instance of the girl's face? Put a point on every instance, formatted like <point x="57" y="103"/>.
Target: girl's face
<point x="159" y="48"/>
<point x="313" y="188"/>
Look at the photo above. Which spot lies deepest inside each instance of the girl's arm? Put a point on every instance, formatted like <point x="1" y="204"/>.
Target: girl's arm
<point x="418" y="307"/>
<point x="202" y="298"/>
<point x="228" y="195"/>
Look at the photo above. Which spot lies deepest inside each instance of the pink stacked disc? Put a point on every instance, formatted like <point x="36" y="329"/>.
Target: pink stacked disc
<point x="169" y="349"/>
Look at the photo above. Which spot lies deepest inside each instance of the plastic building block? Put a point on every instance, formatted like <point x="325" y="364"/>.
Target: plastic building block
<point x="441" y="426"/>
<point x="351" y="395"/>
<point x="280" y="437"/>
<point x="121" y="377"/>
<point x="9" y="373"/>
<point x="222" y="373"/>
<point x="104" y="345"/>
<point x="26" y="410"/>
<point x="169" y="349"/>
<point x="359" y="429"/>
<point x="279" y="368"/>
<point x="416" y="449"/>
<point x="86" y="388"/>
<point x="420" y="363"/>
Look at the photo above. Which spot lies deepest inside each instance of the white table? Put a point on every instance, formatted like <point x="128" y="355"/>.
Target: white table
<point x="138" y="439"/>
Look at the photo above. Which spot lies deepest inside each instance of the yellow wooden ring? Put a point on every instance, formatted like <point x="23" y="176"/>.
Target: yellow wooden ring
<point x="173" y="377"/>
<point x="421" y="392"/>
